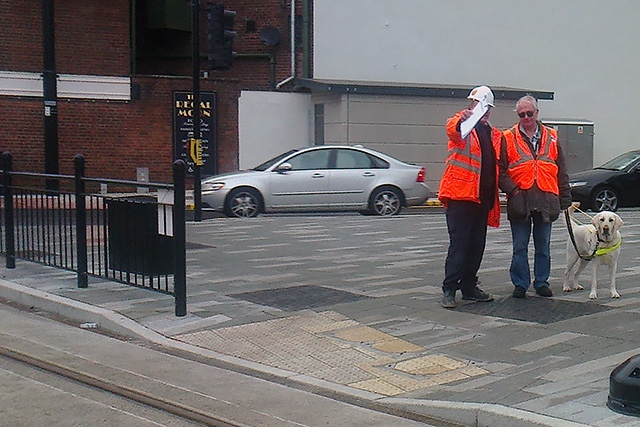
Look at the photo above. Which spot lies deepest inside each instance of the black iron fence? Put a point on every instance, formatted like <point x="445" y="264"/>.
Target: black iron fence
<point x="125" y="231"/>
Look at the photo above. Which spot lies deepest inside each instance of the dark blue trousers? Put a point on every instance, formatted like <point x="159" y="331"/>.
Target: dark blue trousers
<point x="467" y="226"/>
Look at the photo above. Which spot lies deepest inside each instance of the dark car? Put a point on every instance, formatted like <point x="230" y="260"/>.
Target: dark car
<point x="608" y="187"/>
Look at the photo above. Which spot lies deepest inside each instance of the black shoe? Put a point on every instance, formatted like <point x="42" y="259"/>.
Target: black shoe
<point x="448" y="300"/>
<point x="476" y="294"/>
<point x="519" y="292"/>
<point x="544" y="291"/>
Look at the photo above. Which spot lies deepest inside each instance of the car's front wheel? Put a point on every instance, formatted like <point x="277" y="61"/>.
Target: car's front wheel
<point x="243" y="203"/>
<point x="604" y="199"/>
<point x="385" y="201"/>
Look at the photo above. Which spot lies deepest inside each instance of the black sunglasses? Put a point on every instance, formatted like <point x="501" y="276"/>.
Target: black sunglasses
<point x="528" y="114"/>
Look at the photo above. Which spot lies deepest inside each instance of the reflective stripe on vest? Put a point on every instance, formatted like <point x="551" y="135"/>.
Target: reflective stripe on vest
<point x="463" y="158"/>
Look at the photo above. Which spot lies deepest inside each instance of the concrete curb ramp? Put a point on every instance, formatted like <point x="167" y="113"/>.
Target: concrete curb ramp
<point x="467" y="414"/>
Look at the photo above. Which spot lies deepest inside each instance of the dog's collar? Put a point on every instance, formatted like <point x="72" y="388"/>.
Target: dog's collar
<point x="603" y="251"/>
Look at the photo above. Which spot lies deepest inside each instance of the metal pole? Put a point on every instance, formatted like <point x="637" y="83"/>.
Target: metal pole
<point x="81" y="221"/>
<point x="50" y="94"/>
<point x="179" y="238"/>
<point x="197" y="171"/>
<point x="10" y="251"/>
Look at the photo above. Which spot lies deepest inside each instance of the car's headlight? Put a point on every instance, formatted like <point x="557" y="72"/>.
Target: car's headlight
<point x="577" y="184"/>
<point x="212" y="186"/>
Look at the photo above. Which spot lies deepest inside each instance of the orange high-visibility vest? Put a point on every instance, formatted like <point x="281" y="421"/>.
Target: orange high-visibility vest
<point x="461" y="177"/>
<point x="524" y="168"/>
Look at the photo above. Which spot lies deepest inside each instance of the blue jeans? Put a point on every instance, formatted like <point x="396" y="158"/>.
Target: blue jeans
<point x="520" y="233"/>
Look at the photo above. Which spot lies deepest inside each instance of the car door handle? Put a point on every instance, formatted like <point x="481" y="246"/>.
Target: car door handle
<point x="368" y="174"/>
<point x="317" y="175"/>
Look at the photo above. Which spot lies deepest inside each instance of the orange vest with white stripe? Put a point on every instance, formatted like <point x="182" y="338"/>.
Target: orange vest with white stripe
<point x="525" y="168"/>
<point x="461" y="177"/>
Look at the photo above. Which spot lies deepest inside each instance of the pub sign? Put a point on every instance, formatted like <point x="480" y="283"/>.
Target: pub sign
<point x="183" y="130"/>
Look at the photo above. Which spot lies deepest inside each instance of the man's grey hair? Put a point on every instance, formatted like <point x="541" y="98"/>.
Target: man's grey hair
<point x="527" y="99"/>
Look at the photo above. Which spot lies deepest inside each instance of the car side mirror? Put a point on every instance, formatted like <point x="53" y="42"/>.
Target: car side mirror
<point x="284" y="167"/>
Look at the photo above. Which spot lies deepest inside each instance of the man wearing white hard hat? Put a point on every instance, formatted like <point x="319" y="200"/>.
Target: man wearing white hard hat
<point x="469" y="192"/>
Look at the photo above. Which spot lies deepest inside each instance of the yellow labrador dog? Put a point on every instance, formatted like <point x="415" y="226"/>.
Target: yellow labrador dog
<point x="598" y="244"/>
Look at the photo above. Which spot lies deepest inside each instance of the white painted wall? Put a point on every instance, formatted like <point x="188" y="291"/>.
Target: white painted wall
<point x="271" y="123"/>
<point x="586" y="51"/>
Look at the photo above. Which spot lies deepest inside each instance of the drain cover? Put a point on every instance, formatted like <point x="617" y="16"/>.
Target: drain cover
<point x="533" y="309"/>
<point x="299" y="297"/>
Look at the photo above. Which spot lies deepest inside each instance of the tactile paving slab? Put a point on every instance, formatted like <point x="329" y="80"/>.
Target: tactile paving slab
<point x="297" y="298"/>
<point x="332" y="347"/>
<point x="533" y="309"/>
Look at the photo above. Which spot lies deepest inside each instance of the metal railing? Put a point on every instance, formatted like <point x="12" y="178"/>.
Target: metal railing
<point x="98" y="227"/>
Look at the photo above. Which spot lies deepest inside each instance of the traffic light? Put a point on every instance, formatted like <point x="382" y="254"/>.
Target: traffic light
<point x="220" y="37"/>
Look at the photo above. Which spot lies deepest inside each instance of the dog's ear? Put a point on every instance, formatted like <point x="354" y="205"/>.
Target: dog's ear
<point x="595" y="221"/>
<point x="618" y="221"/>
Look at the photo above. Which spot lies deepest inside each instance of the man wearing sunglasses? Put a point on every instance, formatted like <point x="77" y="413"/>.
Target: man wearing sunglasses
<point x="469" y="192"/>
<point x="534" y="176"/>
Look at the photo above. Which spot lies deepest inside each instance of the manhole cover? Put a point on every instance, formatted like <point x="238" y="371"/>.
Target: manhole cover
<point x="533" y="309"/>
<point x="299" y="297"/>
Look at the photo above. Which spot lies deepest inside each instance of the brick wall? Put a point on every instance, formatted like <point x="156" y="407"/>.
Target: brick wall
<point x="116" y="137"/>
<point x="93" y="37"/>
<point x="21" y="35"/>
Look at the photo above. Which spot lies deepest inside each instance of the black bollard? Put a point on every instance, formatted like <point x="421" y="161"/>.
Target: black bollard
<point x="624" y="388"/>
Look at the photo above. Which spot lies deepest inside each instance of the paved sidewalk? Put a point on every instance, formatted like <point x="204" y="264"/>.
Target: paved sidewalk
<point x="348" y="306"/>
<point x="187" y="387"/>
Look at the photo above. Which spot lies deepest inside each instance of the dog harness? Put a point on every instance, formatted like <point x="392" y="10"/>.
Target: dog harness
<point x="604" y="251"/>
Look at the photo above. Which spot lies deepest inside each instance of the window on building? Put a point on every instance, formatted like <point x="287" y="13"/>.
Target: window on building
<point x="162" y="37"/>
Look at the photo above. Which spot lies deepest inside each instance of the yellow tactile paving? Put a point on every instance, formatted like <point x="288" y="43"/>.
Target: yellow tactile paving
<point x="363" y="334"/>
<point x="397" y="346"/>
<point x="378" y="340"/>
<point x="378" y="359"/>
<point x="348" y="356"/>
<point x="377" y="385"/>
<point x="306" y="364"/>
<point x="423" y="370"/>
<point x="449" y="377"/>
<point x="405" y="382"/>
<point x="429" y="365"/>
<point x="329" y="326"/>
<point x="344" y="374"/>
<point x="474" y="371"/>
<point x="334" y="348"/>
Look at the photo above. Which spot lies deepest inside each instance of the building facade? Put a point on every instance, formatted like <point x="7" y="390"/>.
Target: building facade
<point x="118" y="66"/>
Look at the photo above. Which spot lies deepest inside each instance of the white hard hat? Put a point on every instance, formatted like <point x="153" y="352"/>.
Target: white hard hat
<point x="482" y="93"/>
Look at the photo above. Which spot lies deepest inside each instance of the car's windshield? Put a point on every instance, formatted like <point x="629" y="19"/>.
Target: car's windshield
<point x="622" y="161"/>
<point x="266" y="165"/>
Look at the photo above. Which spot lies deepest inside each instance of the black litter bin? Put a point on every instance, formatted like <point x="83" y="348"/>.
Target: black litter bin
<point x="624" y="388"/>
<point x="134" y="243"/>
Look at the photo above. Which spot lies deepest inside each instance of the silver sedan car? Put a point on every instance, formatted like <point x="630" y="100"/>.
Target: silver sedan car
<point x="319" y="178"/>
